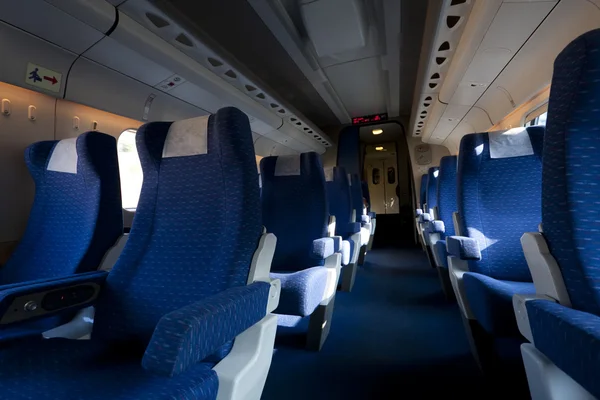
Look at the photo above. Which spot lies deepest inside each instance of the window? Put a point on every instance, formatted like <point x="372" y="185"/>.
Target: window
<point x="540" y="120"/>
<point x="376" y="176"/>
<point x="130" y="169"/>
<point x="537" y="116"/>
<point x="391" y="175"/>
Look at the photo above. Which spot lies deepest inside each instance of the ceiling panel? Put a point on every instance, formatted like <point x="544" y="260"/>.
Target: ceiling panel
<point x="360" y="86"/>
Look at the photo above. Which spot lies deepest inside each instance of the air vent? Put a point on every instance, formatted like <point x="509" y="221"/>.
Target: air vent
<point x="306" y="129"/>
<point x="230" y="73"/>
<point x="457" y="2"/>
<point x="310" y="131"/>
<point x="435" y="76"/>
<point x="156" y="20"/>
<point x="423" y="112"/>
<point x="214" y="62"/>
<point x="444" y="46"/>
<point x="184" y="40"/>
<point x="261" y="96"/>
<point x="423" y="116"/>
<point x="281" y="111"/>
<point x="426" y="104"/>
<point x="452" y="20"/>
<point x="428" y="98"/>
<point x="433" y="85"/>
<point x="440" y="60"/>
<point x="273" y="105"/>
<point x="250" y="88"/>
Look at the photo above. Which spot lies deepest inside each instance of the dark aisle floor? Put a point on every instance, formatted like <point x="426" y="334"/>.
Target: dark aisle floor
<point x="393" y="337"/>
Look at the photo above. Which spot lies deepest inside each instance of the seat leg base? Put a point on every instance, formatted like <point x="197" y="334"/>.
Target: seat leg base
<point x="361" y="255"/>
<point x="370" y="244"/>
<point x="319" y="325"/>
<point x="347" y="278"/>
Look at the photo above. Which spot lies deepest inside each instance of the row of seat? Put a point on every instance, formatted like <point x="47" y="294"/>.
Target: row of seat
<point x="187" y="304"/>
<point x="479" y="211"/>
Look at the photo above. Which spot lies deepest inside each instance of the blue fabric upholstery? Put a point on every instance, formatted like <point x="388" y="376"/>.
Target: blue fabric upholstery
<point x="463" y="247"/>
<point x="446" y="193"/>
<point x="570" y="338"/>
<point x="296" y="210"/>
<point x="431" y="196"/>
<point x="81" y="369"/>
<point x="491" y="214"/>
<point x="440" y="249"/>
<point x="490" y="301"/>
<point x="423" y="191"/>
<point x="426" y="217"/>
<point x="75" y="218"/>
<point x="337" y="243"/>
<point x="324" y="247"/>
<point x="190" y="334"/>
<point x="571" y="217"/>
<point x="435" y="227"/>
<point x="302" y="291"/>
<point x="418" y="212"/>
<point x="340" y="202"/>
<point x="349" y="155"/>
<point x="161" y="270"/>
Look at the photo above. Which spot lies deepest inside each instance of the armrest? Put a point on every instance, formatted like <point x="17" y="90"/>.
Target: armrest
<point x="42" y="298"/>
<point x="331" y="226"/>
<point x="365" y="219"/>
<point x="436" y="227"/>
<point x="425" y="217"/>
<point x="463" y="247"/>
<point x="519" y="304"/>
<point x="372" y="214"/>
<point x="418" y="212"/>
<point x="547" y="278"/>
<point x="323" y="248"/>
<point x="337" y="243"/>
<point x="190" y="334"/>
<point x="439" y="254"/>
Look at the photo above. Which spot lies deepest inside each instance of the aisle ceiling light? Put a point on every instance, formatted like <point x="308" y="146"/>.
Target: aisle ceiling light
<point x="377" y="131"/>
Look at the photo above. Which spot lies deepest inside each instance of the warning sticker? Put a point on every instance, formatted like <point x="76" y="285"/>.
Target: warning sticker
<point x="43" y="77"/>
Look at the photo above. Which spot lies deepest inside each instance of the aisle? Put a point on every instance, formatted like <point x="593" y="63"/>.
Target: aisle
<point x="394" y="333"/>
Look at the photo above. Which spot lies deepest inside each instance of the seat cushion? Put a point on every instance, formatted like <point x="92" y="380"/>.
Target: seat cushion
<point x="87" y="369"/>
<point x="490" y="301"/>
<point x="569" y="338"/>
<point x="302" y="291"/>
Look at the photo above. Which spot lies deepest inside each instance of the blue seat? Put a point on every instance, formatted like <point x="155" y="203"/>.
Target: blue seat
<point x="423" y="192"/>
<point x="360" y="216"/>
<point x="75" y="219"/>
<point x="340" y="206"/>
<point x="446" y="206"/>
<point x="487" y="265"/>
<point x="183" y="288"/>
<point x="564" y="316"/>
<point x="431" y="192"/>
<point x="295" y="209"/>
<point x="371" y="214"/>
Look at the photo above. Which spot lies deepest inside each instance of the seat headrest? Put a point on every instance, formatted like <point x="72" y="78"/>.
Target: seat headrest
<point x="511" y="143"/>
<point x="431" y="195"/>
<point x="570" y="169"/>
<point x="64" y="157"/>
<point x="186" y="138"/>
<point x="329" y="174"/>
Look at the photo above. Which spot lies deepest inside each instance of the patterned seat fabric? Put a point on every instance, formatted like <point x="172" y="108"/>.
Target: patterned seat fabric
<point x="570" y="213"/>
<point x="296" y="210"/>
<point x="340" y="206"/>
<point x="446" y="193"/>
<point x="76" y="216"/>
<point x="431" y="193"/>
<point x="497" y="218"/>
<point x="423" y="191"/>
<point x="191" y="244"/>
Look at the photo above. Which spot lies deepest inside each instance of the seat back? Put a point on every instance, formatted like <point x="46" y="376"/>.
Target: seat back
<point x="499" y="197"/>
<point x="357" y="195"/>
<point x="570" y="191"/>
<point x="76" y="214"/>
<point x="295" y="208"/>
<point x="431" y="196"/>
<point x="196" y="227"/>
<point x="338" y="196"/>
<point x="365" y="191"/>
<point x="423" y="191"/>
<point x="446" y="192"/>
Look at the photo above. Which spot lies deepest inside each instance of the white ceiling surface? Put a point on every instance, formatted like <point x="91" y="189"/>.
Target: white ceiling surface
<point x="392" y="132"/>
<point x="361" y="81"/>
<point x="504" y="59"/>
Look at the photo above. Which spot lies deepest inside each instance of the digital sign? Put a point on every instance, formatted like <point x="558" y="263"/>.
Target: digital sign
<point x="369" y="118"/>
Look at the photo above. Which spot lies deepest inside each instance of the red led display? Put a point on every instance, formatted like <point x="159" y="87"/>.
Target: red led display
<point x="369" y="118"/>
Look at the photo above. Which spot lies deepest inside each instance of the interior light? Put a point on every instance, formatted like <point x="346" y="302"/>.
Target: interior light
<point x="377" y="131"/>
<point x="379" y="148"/>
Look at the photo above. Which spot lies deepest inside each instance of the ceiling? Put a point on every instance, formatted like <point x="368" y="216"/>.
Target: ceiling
<point x="269" y="39"/>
